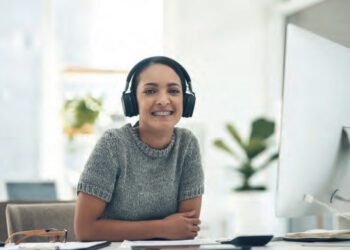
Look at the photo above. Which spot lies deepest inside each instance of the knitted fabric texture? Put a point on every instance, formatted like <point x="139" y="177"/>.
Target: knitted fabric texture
<point x="139" y="182"/>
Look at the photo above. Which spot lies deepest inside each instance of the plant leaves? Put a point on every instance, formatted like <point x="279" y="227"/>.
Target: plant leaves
<point x="268" y="161"/>
<point x="255" y="147"/>
<point x="233" y="132"/>
<point x="84" y="114"/>
<point x="79" y="111"/>
<point x="222" y="145"/>
<point x="262" y="129"/>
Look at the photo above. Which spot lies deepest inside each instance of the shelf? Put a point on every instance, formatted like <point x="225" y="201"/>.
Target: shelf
<point x="76" y="70"/>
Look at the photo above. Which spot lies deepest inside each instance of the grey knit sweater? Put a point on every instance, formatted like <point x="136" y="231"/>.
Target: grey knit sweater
<point x="139" y="182"/>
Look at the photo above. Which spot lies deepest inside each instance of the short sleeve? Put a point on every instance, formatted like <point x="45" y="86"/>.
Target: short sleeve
<point x="192" y="176"/>
<point x="100" y="173"/>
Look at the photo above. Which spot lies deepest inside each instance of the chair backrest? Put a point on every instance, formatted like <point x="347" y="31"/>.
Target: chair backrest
<point x="21" y="217"/>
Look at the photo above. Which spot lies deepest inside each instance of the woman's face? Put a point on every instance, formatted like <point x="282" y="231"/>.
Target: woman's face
<point x="159" y="97"/>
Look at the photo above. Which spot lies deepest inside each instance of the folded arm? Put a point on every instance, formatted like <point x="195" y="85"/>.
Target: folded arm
<point x="89" y="226"/>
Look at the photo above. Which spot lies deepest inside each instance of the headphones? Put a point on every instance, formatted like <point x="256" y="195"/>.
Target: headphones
<point x="129" y="101"/>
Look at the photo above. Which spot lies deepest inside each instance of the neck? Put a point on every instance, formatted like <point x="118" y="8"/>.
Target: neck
<point x="155" y="139"/>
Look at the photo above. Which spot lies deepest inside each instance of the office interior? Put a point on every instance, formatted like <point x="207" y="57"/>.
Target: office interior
<point x="52" y="51"/>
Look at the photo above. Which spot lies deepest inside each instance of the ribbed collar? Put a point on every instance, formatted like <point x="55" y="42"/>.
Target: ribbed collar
<point x="152" y="152"/>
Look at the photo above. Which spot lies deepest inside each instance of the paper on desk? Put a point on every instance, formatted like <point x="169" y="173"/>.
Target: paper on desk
<point x="127" y="244"/>
<point x="54" y="245"/>
<point x="321" y="233"/>
<point x="326" y="244"/>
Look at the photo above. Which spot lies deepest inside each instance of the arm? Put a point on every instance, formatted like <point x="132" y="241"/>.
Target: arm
<point x="192" y="181"/>
<point x="190" y="205"/>
<point x="89" y="227"/>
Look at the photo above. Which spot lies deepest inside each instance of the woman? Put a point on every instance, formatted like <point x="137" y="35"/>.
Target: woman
<point x="145" y="181"/>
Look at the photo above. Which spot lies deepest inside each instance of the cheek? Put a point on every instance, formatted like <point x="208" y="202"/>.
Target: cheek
<point x="143" y="106"/>
<point x="181" y="101"/>
<point x="141" y="102"/>
<point x="179" y="105"/>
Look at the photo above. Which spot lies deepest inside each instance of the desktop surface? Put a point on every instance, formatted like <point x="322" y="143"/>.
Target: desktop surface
<point x="276" y="245"/>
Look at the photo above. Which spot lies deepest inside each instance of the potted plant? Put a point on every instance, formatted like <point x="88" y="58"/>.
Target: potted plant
<point x="257" y="143"/>
<point x="251" y="212"/>
<point x="80" y="115"/>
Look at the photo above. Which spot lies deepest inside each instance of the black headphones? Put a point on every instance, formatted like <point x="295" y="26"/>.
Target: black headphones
<point x="129" y="101"/>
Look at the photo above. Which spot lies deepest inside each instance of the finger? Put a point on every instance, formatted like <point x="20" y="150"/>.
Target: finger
<point x="191" y="235"/>
<point x="196" y="228"/>
<point x="194" y="221"/>
<point x="194" y="234"/>
<point x="190" y="213"/>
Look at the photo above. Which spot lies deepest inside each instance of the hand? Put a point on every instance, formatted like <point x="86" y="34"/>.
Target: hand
<point x="181" y="226"/>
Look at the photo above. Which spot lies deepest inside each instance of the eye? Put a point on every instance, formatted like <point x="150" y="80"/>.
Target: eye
<point x="149" y="91"/>
<point x="174" y="91"/>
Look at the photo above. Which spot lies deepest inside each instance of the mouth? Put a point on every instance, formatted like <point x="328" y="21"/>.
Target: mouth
<point x="162" y="113"/>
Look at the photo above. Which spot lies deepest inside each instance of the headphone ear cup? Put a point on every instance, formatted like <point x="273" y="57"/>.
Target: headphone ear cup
<point x="129" y="105"/>
<point x="189" y="103"/>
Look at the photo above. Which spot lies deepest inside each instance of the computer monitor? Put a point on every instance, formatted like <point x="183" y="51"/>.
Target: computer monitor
<point x="314" y="148"/>
<point x="31" y="191"/>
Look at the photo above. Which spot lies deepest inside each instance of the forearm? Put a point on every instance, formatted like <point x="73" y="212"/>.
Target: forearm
<point x="193" y="204"/>
<point x="117" y="230"/>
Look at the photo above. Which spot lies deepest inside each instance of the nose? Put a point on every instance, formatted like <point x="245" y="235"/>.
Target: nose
<point x="163" y="99"/>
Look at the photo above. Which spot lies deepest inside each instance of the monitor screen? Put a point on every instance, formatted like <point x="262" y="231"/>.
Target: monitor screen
<point x="31" y="191"/>
<point x="314" y="149"/>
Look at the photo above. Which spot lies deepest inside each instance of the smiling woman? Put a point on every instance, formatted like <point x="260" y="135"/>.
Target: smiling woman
<point x="145" y="181"/>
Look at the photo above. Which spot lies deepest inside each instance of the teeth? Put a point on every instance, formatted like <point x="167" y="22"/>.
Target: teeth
<point x="164" y="113"/>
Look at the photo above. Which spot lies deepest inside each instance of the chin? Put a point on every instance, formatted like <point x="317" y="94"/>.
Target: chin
<point x="165" y="124"/>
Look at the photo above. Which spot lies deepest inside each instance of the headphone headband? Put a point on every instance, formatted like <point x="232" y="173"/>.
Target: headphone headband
<point x="161" y="60"/>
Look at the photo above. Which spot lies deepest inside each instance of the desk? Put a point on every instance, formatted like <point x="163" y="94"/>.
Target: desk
<point x="279" y="245"/>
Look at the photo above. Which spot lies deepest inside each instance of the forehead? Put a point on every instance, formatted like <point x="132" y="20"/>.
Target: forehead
<point x="159" y="73"/>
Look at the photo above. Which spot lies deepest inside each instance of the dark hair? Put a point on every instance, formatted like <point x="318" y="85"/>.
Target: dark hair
<point x="157" y="60"/>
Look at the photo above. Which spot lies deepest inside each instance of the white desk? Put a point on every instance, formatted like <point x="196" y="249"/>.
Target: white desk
<point x="280" y="245"/>
<point x="284" y="245"/>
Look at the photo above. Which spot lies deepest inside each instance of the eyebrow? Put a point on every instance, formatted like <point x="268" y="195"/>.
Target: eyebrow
<point x="156" y="84"/>
<point x="173" y="84"/>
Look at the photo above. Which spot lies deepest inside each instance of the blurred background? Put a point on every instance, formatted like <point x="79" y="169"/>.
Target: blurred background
<point x="63" y="66"/>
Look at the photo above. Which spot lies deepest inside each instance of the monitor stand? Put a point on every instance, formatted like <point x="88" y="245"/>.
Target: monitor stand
<point x="336" y="193"/>
<point x="342" y="221"/>
<point x="347" y="132"/>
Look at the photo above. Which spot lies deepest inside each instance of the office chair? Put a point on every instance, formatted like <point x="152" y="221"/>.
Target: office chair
<point x="21" y="217"/>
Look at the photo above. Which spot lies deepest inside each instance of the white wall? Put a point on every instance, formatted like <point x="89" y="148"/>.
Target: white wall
<point x="223" y="44"/>
<point x="20" y="78"/>
<point x="97" y="34"/>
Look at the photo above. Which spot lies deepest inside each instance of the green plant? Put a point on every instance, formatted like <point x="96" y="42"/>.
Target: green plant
<point x="261" y="131"/>
<point x="80" y="114"/>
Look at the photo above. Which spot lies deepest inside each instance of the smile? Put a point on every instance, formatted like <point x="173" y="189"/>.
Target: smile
<point x="162" y="113"/>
